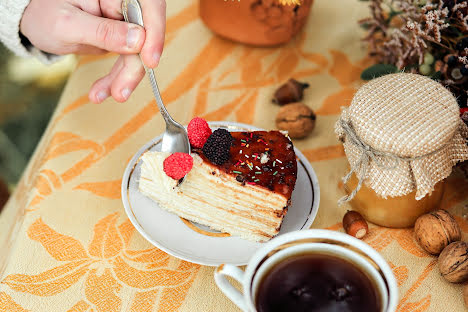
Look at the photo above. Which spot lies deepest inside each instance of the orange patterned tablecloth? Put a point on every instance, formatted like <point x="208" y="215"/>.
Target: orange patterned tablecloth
<point x="68" y="245"/>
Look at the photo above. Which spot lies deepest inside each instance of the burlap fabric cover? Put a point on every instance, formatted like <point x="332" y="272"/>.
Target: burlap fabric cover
<point x="410" y="131"/>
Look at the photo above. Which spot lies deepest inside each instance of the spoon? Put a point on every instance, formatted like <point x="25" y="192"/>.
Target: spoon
<point x="175" y="138"/>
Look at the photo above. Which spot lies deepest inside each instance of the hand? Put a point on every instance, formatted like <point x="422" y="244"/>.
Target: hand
<point x="95" y="27"/>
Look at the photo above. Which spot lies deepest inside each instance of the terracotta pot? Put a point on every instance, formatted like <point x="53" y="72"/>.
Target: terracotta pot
<point x="254" y="22"/>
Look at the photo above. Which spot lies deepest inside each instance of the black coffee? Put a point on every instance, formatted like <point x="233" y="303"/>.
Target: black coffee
<point x="316" y="283"/>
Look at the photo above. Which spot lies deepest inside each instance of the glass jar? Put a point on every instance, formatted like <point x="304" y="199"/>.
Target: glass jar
<point x="394" y="212"/>
<point x="402" y="134"/>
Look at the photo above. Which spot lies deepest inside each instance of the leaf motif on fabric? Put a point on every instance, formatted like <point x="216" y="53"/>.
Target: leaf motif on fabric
<point x="378" y="238"/>
<point x="182" y="18"/>
<point x="102" y="290"/>
<point x="251" y="70"/>
<point x="315" y="58"/>
<point x="145" y="300"/>
<point x="201" y="100"/>
<point x="107" y="242"/>
<point x="60" y="247"/>
<point x="150" y="257"/>
<point x="173" y="297"/>
<point x="402" y="305"/>
<point x="335" y="227"/>
<point x="400" y="272"/>
<point x="81" y="101"/>
<point x="324" y="153"/>
<point x="34" y="202"/>
<point x="343" y="70"/>
<point x="126" y="230"/>
<point x="147" y="279"/>
<point x="8" y="304"/>
<point x="405" y="238"/>
<point x="80" y="306"/>
<point x="418" y="306"/>
<point x="286" y="64"/>
<point x="73" y="146"/>
<point x="333" y="102"/>
<point x="225" y="110"/>
<point x="52" y="177"/>
<point x="108" y="189"/>
<point x="203" y="64"/>
<point x="50" y="282"/>
<point x="246" y="111"/>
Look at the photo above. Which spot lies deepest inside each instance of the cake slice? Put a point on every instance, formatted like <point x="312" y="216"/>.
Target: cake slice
<point x="241" y="186"/>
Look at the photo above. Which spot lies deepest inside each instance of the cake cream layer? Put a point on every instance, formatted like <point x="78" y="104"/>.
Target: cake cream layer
<point x="211" y="197"/>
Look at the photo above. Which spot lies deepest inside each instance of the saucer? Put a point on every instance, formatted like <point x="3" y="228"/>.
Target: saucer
<point x="197" y="243"/>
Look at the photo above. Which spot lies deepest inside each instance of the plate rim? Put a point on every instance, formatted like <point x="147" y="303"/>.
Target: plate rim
<point x="133" y="162"/>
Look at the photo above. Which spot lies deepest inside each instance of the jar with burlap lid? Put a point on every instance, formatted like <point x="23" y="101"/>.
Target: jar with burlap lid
<point x="402" y="135"/>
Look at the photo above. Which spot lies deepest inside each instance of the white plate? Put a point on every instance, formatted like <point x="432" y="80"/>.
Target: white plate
<point x="196" y="243"/>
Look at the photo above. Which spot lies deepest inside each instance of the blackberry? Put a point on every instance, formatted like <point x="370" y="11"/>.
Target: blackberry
<point x="217" y="147"/>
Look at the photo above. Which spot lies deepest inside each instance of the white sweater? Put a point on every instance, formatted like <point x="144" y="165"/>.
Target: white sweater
<point x="11" y="12"/>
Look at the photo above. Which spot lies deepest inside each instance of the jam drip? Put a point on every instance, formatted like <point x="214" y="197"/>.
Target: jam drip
<point x="264" y="158"/>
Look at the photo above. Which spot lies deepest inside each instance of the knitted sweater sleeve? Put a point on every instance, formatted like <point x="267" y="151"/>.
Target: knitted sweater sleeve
<point x="11" y="12"/>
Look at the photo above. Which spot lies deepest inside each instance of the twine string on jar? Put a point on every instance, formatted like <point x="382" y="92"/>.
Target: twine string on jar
<point x="368" y="154"/>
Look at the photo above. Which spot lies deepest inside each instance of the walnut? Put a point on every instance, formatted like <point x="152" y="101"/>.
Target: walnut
<point x="435" y="230"/>
<point x="453" y="262"/>
<point x="297" y="119"/>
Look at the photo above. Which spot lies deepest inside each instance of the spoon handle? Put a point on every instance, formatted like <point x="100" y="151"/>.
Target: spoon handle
<point x="131" y="10"/>
<point x="154" y="86"/>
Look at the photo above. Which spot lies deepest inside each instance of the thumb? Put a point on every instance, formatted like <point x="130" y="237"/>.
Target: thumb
<point x="108" y="34"/>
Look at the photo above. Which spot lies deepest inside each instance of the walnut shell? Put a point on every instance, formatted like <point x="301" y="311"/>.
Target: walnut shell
<point x="453" y="262"/>
<point x="297" y="119"/>
<point x="435" y="230"/>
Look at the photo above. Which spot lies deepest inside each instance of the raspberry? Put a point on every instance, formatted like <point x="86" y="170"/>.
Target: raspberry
<point x="198" y="132"/>
<point x="178" y="165"/>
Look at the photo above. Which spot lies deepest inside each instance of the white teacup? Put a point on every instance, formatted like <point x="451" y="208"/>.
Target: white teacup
<point x="323" y="242"/>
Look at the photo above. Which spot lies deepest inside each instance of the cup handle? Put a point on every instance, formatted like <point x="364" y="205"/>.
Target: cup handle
<point x="226" y="287"/>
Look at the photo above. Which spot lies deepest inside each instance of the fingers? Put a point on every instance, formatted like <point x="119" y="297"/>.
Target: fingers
<point x="92" y="7"/>
<point x="154" y="19"/>
<point x="128" y="78"/>
<point x="111" y="35"/>
<point x="101" y="89"/>
<point x="111" y="9"/>
<point x="120" y="82"/>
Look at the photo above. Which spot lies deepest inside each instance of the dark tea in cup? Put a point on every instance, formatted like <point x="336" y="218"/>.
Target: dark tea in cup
<point x="316" y="282"/>
<point x="313" y="270"/>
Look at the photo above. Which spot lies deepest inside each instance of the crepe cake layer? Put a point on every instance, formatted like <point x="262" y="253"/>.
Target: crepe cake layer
<point x="248" y="196"/>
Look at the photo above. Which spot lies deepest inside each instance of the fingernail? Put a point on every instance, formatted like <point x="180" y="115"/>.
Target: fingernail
<point x="126" y="93"/>
<point x="133" y="35"/>
<point x="156" y="58"/>
<point x="101" y="96"/>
